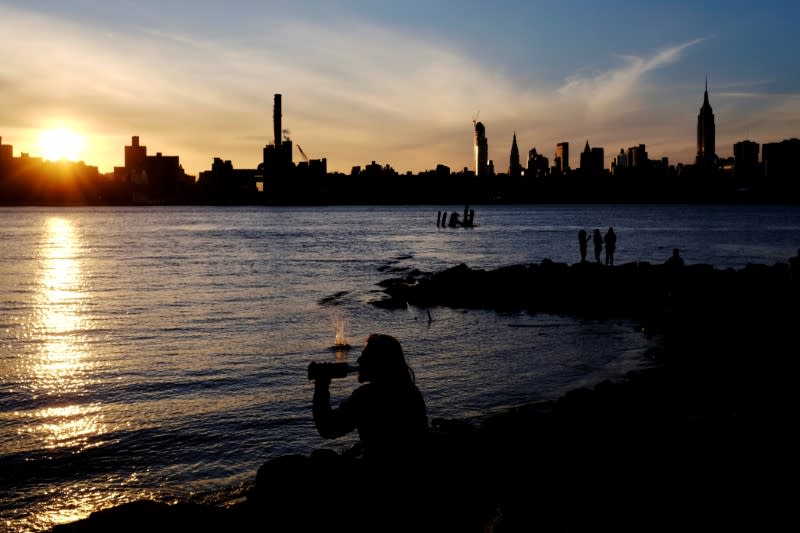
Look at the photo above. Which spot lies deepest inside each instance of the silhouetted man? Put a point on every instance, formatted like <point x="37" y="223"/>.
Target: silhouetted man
<point x="597" y="238"/>
<point x="611" y="245"/>
<point x="583" y="244"/>
<point x="675" y="261"/>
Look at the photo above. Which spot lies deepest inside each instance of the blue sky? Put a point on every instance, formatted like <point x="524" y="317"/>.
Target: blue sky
<point x="396" y="82"/>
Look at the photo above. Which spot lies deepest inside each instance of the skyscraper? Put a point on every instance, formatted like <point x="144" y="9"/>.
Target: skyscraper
<point x="278" y="156"/>
<point x="637" y="157"/>
<point x="706" y="151"/>
<point x="481" y="150"/>
<point x="514" y="168"/>
<point x="562" y="157"/>
<point x="538" y="165"/>
<point x="586" y="158"/>
<point x="276" y="120"/>
<point x="135" y="155"/>
<point x="745" y="155"/>
<point x="592" y="159"/>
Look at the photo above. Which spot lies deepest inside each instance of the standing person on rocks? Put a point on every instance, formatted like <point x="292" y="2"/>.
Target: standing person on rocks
<point x="583" y="243"/>
<point x="794" y="265"/>
<point x="611" y="245"/>
<point x="675" y="261"/>
<point x="597" y="238"/>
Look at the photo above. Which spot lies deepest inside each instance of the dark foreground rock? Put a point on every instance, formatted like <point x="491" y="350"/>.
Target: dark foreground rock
<point x="653" y="453"/>
<point x="703" y="443"/>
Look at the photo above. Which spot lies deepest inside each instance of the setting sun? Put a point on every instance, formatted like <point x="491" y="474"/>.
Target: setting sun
<point x="61" y="143"/>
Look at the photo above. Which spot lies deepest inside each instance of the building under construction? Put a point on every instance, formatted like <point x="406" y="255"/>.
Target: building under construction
<point x="278" y="161"/>
<point x="278" y="155"/>
<point x="283" y="180"/>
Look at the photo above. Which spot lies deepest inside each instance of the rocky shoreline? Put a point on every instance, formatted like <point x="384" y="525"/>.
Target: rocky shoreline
<point x="701" y="442"/>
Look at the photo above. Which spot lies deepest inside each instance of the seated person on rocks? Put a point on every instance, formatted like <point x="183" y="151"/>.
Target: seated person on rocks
<point x="388" y="410"/>
<point x="392" y="422"/>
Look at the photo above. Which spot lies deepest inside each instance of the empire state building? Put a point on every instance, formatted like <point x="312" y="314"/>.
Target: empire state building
<point x="706" y="151"/>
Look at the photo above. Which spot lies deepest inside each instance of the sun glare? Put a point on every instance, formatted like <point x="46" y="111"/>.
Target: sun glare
<point x="61" y="143"/>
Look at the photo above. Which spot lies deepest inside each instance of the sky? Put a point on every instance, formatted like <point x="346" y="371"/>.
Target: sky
<point x="396" y="82"/>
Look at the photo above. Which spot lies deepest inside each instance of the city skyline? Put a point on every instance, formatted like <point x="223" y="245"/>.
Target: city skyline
<point x="368" y="81"/>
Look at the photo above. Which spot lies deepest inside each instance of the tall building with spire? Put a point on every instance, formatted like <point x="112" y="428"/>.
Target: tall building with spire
<point x="481" y="145"/>
<point x="514" y="167"/>
<point x="586" y="158"/>
<point x="592" y="159"/>
<point x="706" y="149"/>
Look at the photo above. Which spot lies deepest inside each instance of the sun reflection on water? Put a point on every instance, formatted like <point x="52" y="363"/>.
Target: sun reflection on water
<point x="63" y="364"/>
<point x="69" y="426"/>
<point x="79" y="499"/>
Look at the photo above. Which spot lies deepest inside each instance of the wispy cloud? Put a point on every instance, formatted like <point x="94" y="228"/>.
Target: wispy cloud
<point x="603" y="94"/>
<point x="359" y="91"/>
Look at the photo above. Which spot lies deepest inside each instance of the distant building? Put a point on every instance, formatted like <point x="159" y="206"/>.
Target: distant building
<point x="135" y="155"/>
<point x="6" y="154"/>
<point x="225" y="184"/>
<point x="637" y="157"/>
<point x="538" y="165"/>
<point x="277" y="117"/>
<point x="745" y="155"/>
<point x="592" y="159"/>
<point x="481" y="146"/>
<point x="706" y="150"/>
<point x="514" y="167"/>
<point x="599" y="158"/>
<point x="621" y="159"/>
<point x="781" y="161"/>
<point x="318" y="167"/>
<point x="277" y="157"/>
<point x="153" y="178"/>
<point x="562" y="157"/>
<point x="6" y="161"/>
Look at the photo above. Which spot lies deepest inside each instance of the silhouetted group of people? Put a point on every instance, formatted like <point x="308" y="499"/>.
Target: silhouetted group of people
<point x="609" y="240"/>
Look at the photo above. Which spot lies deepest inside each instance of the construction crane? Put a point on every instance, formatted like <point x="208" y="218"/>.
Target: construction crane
<point x="302" y="153"/>
<point x="475" y="117"/>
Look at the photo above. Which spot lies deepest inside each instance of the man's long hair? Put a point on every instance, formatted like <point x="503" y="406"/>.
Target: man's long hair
<point x="386" y="360"/>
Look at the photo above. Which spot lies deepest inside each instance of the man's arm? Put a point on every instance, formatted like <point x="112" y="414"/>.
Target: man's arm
<point x="331" y="423"/>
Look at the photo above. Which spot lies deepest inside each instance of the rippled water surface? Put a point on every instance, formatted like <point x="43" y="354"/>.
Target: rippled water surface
<point x="162" y="352"/>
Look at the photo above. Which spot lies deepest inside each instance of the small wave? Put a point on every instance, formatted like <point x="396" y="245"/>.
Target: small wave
<point x="333" y="299"/>
<point x="169" y="388"/>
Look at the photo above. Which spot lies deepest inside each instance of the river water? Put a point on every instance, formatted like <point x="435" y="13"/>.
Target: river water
<point x="162" y="351"/>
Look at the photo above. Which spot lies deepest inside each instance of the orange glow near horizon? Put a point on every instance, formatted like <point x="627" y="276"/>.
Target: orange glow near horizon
<point x="61" y="143"/>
